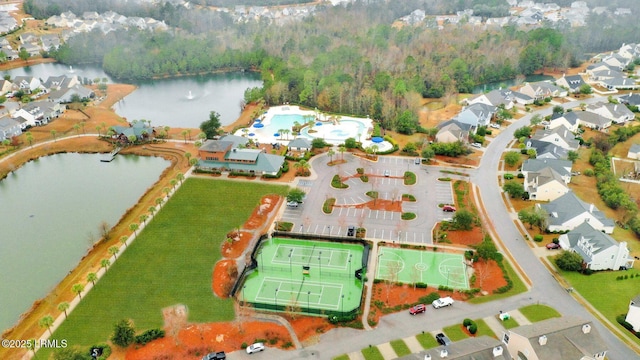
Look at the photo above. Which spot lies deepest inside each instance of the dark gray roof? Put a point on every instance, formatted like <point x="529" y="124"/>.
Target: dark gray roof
<point x="547" y="149"/>
<point x="631" y="99"/>
<point x="452" y="124"/>
<point x="300" y="142"/>
<point x="216" y="145"/>
<point x="591" y="118"/>
<point x="568" y="206"/>
<point x="565" y="338"/>
<point x="479" y="348"/>
<point x="545" y="176"/>
<point x="236" y="140"/>
<point x="597" y="239"/>
<point x="556" y="134"/>
<point x="560" y="166"/>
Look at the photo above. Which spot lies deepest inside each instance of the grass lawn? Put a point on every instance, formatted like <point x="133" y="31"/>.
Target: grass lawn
<point x="400" y="347"/>
<point x="427" y="340"/>
<point x="535" y="313"/>
<point x="510" y="323"/>
<point x="600" y="295"/>
<point x="455" y="332"/>
<point x="372" y="353"/>
<point x="484" y="329"/>
<point x="518" y="287"/>
<point x="342" y="357"/>
<point x="170" y="263"/>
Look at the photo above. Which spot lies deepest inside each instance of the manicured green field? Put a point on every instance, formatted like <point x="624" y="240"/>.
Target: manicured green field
<point x="400" y="347"/>
<point x="427" y="340"/>
<point x="170" y="263"/>
<point x="535" y="313"/>
<point x="484" y="329"/>
<point x="509" y="323"/>
<point x="372" y="353"/>
<point x="455" y="332"/>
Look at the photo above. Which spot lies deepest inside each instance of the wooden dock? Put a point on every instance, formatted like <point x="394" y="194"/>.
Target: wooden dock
<point x="109" y="157"/>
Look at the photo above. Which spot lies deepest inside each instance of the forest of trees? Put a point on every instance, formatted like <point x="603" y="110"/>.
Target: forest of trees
<point x="346" y="59"/>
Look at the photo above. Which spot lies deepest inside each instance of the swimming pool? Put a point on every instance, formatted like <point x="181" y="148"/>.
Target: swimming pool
<point x="336" y="133"/>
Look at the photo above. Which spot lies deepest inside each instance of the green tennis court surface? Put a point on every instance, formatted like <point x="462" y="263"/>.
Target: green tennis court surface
<point x="305" y="276"/>
<point x="413" y="266"/>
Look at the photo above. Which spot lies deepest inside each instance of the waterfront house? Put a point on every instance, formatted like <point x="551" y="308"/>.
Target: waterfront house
<point x="230" y="153"/>
<point x="9" y="128"/>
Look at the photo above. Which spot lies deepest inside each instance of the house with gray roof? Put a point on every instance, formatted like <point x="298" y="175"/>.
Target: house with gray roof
<point x="630" y="99"/>
<point x="598" y="250"/>
<point x="634" y="152"/>
<point x="571" y="82"/>
<point x="618" y="113"/>
<point x="28" y="84"/>
<point x="568" y="212"/>
<point x="229" y="153"/>
<point x="9" y="128"/>
<point x="476" y="115"/>
<point x="545" y="184"/>
<point x="547" y="150"/>
<point x="61" y="82"/>
<point x="65" y="96"/>
<point x="573" y="119"/>
<point x="452" y="131"/>
<point x="633" y="315"/>
<point x="50" y="42"/>
<point x="562" y="167"/>
<point x="559" y="135"/>
<point x="542" y="89"/>
<point x="300" y="144"/>
<point x="474" y="348"/>
<point x="562" y="338"/>
<point x="140" y="129"/>
<point x="495" y="98"/>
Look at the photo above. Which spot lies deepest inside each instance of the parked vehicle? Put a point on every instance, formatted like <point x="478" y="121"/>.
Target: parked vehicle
<point x="443" y="339"/>
<point x="449" y="208"/>
<point x="351" y="231"/>
<point x="387" y="173"/>
<point x="495" y="126"/>
<point x="417" y="161"/>
<point x="442" y="302"/>
<point x="476" y="145"/>
<point x="417" y="309"/>
<point x="254" y="348"/>
<point x="553" y="246"/>
<point x="292" y="204"/>
<point x="216" y="355"/>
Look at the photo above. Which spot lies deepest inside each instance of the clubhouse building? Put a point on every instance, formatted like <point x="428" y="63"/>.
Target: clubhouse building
<point x="230" y="153"/>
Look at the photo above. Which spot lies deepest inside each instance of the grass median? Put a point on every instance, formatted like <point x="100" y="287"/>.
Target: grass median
<point x="170" y="263"/>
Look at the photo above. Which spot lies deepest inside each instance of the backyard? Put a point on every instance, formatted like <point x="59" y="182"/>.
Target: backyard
<point x="172" y="259"/>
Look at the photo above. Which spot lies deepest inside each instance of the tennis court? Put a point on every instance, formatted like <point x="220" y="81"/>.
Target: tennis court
<point x="305" y="276"/>
<point x="413" y="266"/>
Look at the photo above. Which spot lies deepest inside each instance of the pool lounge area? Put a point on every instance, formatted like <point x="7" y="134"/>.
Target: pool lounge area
<point x="334" y="130"/>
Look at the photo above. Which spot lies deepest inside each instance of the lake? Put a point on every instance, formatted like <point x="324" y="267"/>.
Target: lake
<point x="176" y="102"/>
<point x="50" y="214"/>
<point x="508" y="83"/>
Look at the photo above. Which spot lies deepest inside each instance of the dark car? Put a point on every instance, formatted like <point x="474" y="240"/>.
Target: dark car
<point x="443" y="339"/>
<point x="218" y="355"/>
<point x="420" y="308"/>
<point x="448" y="208"/>
<point x="553" y="246"/>
<point x="351" y="231"/>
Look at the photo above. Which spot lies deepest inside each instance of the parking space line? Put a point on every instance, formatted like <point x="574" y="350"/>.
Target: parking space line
<point x="377" y="213"/>
<point x="316" y="230"/>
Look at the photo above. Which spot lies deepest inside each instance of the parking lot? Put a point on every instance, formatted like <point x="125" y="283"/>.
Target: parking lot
<point x="380" y="224"/>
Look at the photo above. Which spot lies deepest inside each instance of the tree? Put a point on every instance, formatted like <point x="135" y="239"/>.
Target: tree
<point x="123" y="333"/>
<point x="133" y="227"/>
<point x="514" y="189"/>
<point x="143" y="217"/>
<point x="341" y="150"/>
<point x="463" y="219"/>
<point x="573" y="156"/>
<point x="123" y="240"/>
<point x="113" y="251"/>
<point x="318" y="143"/>
<point x="63" y="306"/>
<point x="511" y="158"/>
<point x="24" y="55"/>
<point x="105" y="263"/>
<point x="558" y="109"/>
<point x="180" y="177"/>
<point x="302" y="167"/>
<point x="585" y="89"/>
<point x="92" y="277"/>
<point x="569" y="261"/>
<point x="406" y="123"/>
<point x="487" y="250"/>
<point x="524" y="131"/>
<point x="211" y="126"/>
<point x="78" y="289"/>
<point x="184" y="135"/>
<point x="46" y="322"/>
<point x="331" y="152"/>
<point x="428" y="153"/>
<point x="535" y="120"/>
<point x="53" y="135"/>
<point x="350" y="143"/>
<point x="296" y="195"/>
<point x="29" y="138"/>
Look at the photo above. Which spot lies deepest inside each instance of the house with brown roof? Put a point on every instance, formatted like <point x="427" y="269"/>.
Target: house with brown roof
<point x="230" y="153"/>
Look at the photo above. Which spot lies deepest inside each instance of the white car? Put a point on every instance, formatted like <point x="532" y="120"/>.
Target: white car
<point x="442" y="302"/>
<point x="495" y="126"/>
<point x="292" y="204"/>
<point x="476" y="145"/>
<point x="254" y="348"/>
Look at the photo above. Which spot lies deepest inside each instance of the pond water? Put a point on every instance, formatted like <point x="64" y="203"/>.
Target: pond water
<point x="50" y="214"/>
<point x="175" y="102"/>
<point x="508" y="83"/>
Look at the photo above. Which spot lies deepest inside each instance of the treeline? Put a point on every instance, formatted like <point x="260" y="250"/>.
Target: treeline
<point x="233" y="3"/>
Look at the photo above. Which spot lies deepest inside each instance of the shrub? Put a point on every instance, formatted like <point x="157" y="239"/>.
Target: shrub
<point x="421" y="285"/>
<point x="473" y="328"/>
<point x="588" y="172"/>
<point x="337" y="183"/>
<point x="537" y="238"/>
<point x="508" y="176"/>
<point x="149" y="336"/>
<point x="429" y="298"/>
<point x="466" y="322"/>
<point x="408" y="216"/>
<point x="360" y="171"/>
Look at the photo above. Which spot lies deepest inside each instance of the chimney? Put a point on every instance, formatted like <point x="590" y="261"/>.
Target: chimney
<point x="615" y="107"/>
<point x="542" y="340"/>
<point x="497" y="351"/>
<point x="586" y="328"/>
<point x="444" y="353"/>
<point x="591" y="208"/>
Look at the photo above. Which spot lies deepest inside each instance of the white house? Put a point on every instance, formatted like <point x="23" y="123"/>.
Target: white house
<point x="545" y="184"/>
<point x="562" y="167"/>
<point x="477" y="114"/>
<point x="634" y="152"/>
<point x="618" y="113"/>
<point x="560" y="338"/>
<point x="598" y="250"/>
<point x="9" y="128"/>
<point x="573" y="119"/>
<point x="28" y="84"/>
<point x="558" y="135"/>
<point x="452" y="131"/>
<point x="542" y="89"/>
<point x="633" y="315"/>
<point x="568" y="212"/>
<point x="494" y="98"/>
<point x="571" y="82"/>
<point x="300" y="144"/>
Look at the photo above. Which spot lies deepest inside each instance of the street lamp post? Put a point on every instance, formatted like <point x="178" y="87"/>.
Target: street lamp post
<point x="261" y="263"/>
<point x="276" y="298"/>
<point x="301" y="228"/>
<point x="342" y="305"/>
<point x="308" y="306"/>
<point x="350" y="264"/>
<point x="243" y="298"/>
<point x="320" y="262"/>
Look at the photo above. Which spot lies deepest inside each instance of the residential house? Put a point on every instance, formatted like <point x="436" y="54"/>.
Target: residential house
<point x="27" y="84"/>
<point x="48" y="109"/>
<point x="630" y="99"/>
<point x="618" y="113"/>
<point x="559" y="135"/>
<point x="545" y="184"/>
<point x="619" y="83"/>
<point x="572" y="82"/>
<point x="50" y="42"/>
<point x="5" y="86"/>
<point x="629" y="51"/>
<point x="476" y="115"/>
<point x="66" y="95"/>
<point x="300" y="144"/>
<point x="616" y="61"/>
<point x="633" y="315"/>
<point x="568" y="212"/>
<point x="547" y="150"/>
<point x="474" y="348"/>
<point x="9" y="128"/>
<point x="140" y="129"/>
<point x="542" y="89"/>
<point x="7" y="22"/>
<point x="573" y="119"/>
<point x="494" y="98"/>
<point x="598" y="250"/>
<point x="563" y="338"/>
<point x="28" y="38"/>
<point x="230" y="154"/>
<point x="61" y="82"/>
<point x="522" y="98"/>
<point x="562" y="167"/>
<point x="597" y="68"/>
<point x="634" y="152"/>
<point x="10" y="53"/>
<point x="32" y="49"/>
<point x="452" y="131"/>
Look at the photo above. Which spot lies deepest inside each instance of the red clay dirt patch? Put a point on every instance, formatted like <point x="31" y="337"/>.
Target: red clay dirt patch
<point x="379" y="204"/>
<point x="488" y="276"/>
<point x="235" y="248"/>
<point x="261" y="213"/>
<point x="222" y="277"/>
<point x="196" y="340"/>
<point x="309" y="328"/>
<point x="461" y="237"/>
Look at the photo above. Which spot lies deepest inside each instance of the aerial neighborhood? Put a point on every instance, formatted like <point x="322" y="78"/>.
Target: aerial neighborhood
<point x="498" y="223"/>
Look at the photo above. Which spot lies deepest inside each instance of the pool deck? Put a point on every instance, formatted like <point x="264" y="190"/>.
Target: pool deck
<point x="327" y="130"/>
